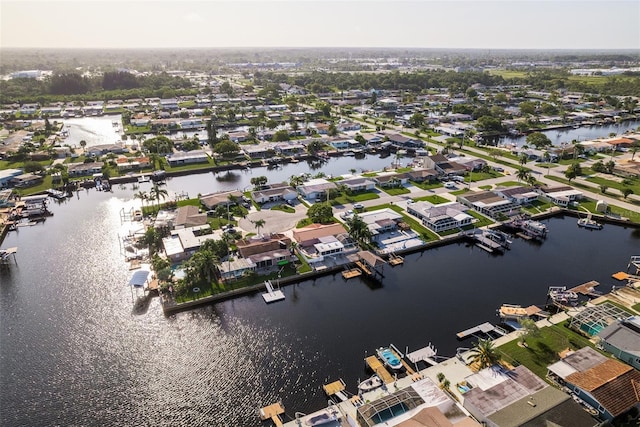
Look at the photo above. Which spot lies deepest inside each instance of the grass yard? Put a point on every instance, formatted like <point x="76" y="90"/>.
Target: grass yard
<point x="344" y="198"/>
<point x="537" y="207"/>
<point x="482" y="220"/>
<point x="395" y="191"/>
<point x="543" y="350"/>
<point x="283" y="208"/>
<point x="427" y="185"/>
<point x="616" y="210"/>
<point x="435" y="199"/>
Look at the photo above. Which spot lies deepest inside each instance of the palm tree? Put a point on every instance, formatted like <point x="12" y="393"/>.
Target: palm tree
<point x="158" y="192"/>
<point x="258" y="224"/>
<point x="201" y="267"/>
<point x="359" y="230"/>
<point x="523" y="175"/>
<point x="529" y="329"/>
<point x="142" y="195"/>
<point x="484" y="354"/>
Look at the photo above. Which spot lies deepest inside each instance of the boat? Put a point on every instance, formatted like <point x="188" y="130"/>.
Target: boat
<point x="370" y="384"/>
<point x="325" y="417"/>
<point x="562" y="295"/>
<point x="589" y="223"/>
<point x="144" y="178"/>
<point x="389" y="358"/>
<point x="534" y="228"/>
<point x="137" y="215"/>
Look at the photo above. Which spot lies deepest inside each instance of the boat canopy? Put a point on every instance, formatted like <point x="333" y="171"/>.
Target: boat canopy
<point x="139" y="278"/>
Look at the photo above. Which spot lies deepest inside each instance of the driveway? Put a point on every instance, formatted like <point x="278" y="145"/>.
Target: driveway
<point x="274" y="221"/>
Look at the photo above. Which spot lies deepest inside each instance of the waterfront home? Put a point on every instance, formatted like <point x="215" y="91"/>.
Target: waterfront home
<point x="619" y="144"/>
<point x="290" y="149"/>
<point x="187" y="157"/>
<point x="316" y="231"/>
<point x="401" y="141"/>
<point x="518" y="195"/>
<point x="562" y="195"/>
<point x="443" y="217"/>
<point x="274" y="193"/>
<point x="7" y="175"/>
<point x="224" y="198"/>
<point x="607" y="385"/>
<point x="266" y="251"/>
<point x="316" y="189"/>
<point x="488" y="203"/>
<point x="235" y="268"/>
<point x="357" y="184"/>
<point x="184" y="242"/>
<point x="129" y="163"/>
<point x="259" y="151"/>
<point x="342" y="144"/>
<point x="26" y="180"/>
<point x="82" y="169"/>
<point x="498" y="397"/>
<point x="622" y="339"/>
<point x="381" y="221"/>
<point x="189" y="216"/>
<point x="443" y="165"/>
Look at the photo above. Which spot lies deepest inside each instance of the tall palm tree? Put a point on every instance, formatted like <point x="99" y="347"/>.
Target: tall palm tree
<point x="523" y="175"/>
<point x="142" y="195"/>
<point x="157" y="193"/>
<point x="484" y="354"/>
<point x="258" y="224"/>
<point x="359" y="230"/>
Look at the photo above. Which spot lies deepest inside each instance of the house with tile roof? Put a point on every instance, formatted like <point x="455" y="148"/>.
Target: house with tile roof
<point x="608" y="385"/>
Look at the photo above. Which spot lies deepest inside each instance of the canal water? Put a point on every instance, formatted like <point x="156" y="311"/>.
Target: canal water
<point x="73" y="350"/>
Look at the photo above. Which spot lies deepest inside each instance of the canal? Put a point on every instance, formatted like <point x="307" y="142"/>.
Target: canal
<point x="73" y="350"/>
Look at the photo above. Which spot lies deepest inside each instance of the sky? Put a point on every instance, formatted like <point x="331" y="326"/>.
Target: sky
<point x="479" y="24"/>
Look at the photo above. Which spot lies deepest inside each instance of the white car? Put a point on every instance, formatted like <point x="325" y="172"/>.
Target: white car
<point x="358" y="206"/>
<point x="449" y="185"/>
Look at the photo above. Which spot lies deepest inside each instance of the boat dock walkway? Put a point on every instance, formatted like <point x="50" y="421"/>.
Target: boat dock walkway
<point x="350" y="274"/>
<point x="395" y="259"/>
<point x="587" y="289"/>
<point x="336" y="388"/>
<point x="272" y="294"/>
<point x="363" y="268"/>
<point x="273" y="413"/>
<point x="376" y="366"/>
<point x="485" y="328"/>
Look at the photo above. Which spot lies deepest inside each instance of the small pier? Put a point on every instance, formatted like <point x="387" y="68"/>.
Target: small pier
<point x="336" y="388"/>
<point x="635" y="262"/>
<point x="484" y="328"/>
<point x="350" y="274"/>
<point x="376" y="366"/>
<point x="6" y="254"/>
<point x="395" y="259"/>
<point x="587" y="289"/>
<point x="484" y="240"/>
<point x="272" y="294"/>
<point x="425" y="354"/>
<point x="273" y="413"/>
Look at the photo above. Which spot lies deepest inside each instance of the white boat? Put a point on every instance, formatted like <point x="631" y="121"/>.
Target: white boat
<point x="389" y="358"/>
<point x="534" y="228"/>
<point x="590" y="223"/>
<point x="370" y="384"/>
<point x="562" y="295"/>
<point x="324" y="417"/>
<point x="144" y="178"/>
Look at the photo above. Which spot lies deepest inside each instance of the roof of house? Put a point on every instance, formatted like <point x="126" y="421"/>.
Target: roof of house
<point x="214" y="199"/>
<point x="315" y="231"/>
<point x="623" y="335"/>
<point x="598" y="375"/>
<point x="189" y="216"/>
<point x="620" y="394"/>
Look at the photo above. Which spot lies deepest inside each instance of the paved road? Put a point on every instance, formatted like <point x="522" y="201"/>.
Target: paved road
<point x="274" y="221"/>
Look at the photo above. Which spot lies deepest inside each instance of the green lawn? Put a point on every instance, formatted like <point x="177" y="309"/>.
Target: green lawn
<point x="189" y="202"/>
<point x="459" y="192"/>
<point x="510" y="184"/>
<point x="481" y="176"/>
<point x="435" y="199"/>
<point x="635" y="183"/>
<point x="369" y="174"/>
<point x="543" y="350"/>
<point x="344" y="198"/>
<point x="395" y="191"/>
<point x="590" y="205"/>
<point x="482" y="220"/>
<point x="283" y="208"/>
<point x="427" y="185"/>
<point x="45" y="185"/>
<point x="538" y="207"/>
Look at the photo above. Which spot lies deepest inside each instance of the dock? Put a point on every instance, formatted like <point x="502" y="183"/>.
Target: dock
<point x="350" y="274"/>
<point x="410" y="370"/>
<point x="376" y="366"/>
<point x="486" y="241"/>
<point x="272" y="294"/>
<point x="363" y="268"/>
<point x="273" y="413"/>
<point x="425" y="354"/>
<point x="336" y="388"/>
<point x="395" y="260"/>
<point x="485" y="328"/>
<point x="587" y="289"/>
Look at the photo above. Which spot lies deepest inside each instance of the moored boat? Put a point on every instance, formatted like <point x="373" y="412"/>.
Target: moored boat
<point x="534" y="228"/>
<point x="322" y="418"/>
<point x="590" y="223"/>
<point x="389" y="358"/>
<point x="370" y="384"/>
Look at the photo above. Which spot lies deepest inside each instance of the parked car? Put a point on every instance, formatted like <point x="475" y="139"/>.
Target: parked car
<point x="450" y="185"/>
<point x="358" y="206"/>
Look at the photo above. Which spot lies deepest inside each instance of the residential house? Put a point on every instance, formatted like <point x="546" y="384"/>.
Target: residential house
<point x="169" y="104"/>
<point x="442" y="217"/>
<point x="99" y="150"/>
<point x="561" y="195"/>
<point x="189" y="124"/>
<point x="81" y="169"/>
<point x="7" y="175"/>
<point x="513" y="398"/>
<point x="316" y="189"/>
<point x="622" y="339"/>
<point x="403" y="142"/>
<point x="259" y="151"/>
<point x="187" y="157"/>
<point x="356" y="184"/>
<point x="489" y="203"/>
<point x="130" y="163"/>
<point x="274" y="194"/>
<point x="348" y="126"/>
<point x="341" y="144"/>
<point x="189" y="216"/>
<point x="444" y="165"/>
<point x="233" y="269"/>
<point x="422" y="175"/>
<point x="182" y="243"/>
<point x="26" y="180"/>
<point x="392" y="179"/>
<point x="266" y="251"/>
<point x="240" y="136"/>
<point x="381" y="221"/>
<point x="518" y="195"/>
<point x="608" y="385"/>
<point x="290" y="149"/>
<point x="316" y="231"/>
<point x="224" y="198"/>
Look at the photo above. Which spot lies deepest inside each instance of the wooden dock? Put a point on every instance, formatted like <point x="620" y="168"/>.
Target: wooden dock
<point x="350" y="274"/>
<point x="425" y="354"/>
<point x="395" y="259"/>
<point x="587" y="289"/>
<point x="363" y="268"/>
<point x="376" y="366"/>
<point x="336" y="388"/>
<point x="273" y="413"/>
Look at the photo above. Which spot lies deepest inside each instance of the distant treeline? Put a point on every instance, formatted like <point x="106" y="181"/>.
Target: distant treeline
<point x="111" y="85"/>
